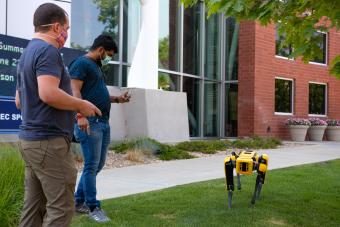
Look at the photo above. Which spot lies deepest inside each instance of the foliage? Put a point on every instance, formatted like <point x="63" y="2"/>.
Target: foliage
<point x="297" y="20"/>
<point x="163" y="52"/>
<point x="297" y="121"/>
<point x="108" y="15"/>
<point x="11" y="185"/>
<point x="256" y="143"/>
<point x="331" y="122"/>
<point x="204" y="146"/>
<point x="163" y="151"/>
<point x="317" y="122"/>
<point x="306" y="195"/>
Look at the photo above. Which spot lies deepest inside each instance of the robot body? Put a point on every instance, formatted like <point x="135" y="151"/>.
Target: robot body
<point x="246" y="162"/>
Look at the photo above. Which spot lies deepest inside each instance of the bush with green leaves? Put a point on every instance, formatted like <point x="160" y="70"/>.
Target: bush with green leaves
<point x="204" y="146"/>
<point x="163" y="151"/>
<point x="11" y="185"/>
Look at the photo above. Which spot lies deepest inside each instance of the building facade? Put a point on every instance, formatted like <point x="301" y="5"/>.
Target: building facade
<point x="273" y="87"/>
<point x="236" y="81"/>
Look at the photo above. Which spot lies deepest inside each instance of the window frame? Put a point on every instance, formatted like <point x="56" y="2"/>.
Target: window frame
<point x="326" y="99"/>
<point x="292" y="97"/>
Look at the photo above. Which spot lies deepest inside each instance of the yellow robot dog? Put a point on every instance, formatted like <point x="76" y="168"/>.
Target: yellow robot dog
<point x="245" y="163"/>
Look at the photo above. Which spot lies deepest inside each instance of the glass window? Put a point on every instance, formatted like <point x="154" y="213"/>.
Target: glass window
<point x="283" y="96"/>
<point x="231" y="62"/>
<point x="212" y="48"/>
<point x="321" y="39"/>
<point x="192" y="87"/>
<point x="211" y="108"/>
<point x="92" y="18"/>
<point x="281" y="50"/>
<point x="317" y="98"/>
<point x="125" y="73"/>
<point x="192" y="40"/>
<point x="131" y="28"/>
<point x="168" y="82"/>
<point x="111" y="73"/>
<point x="231" y="109"/>
<point x="169" y="26"/>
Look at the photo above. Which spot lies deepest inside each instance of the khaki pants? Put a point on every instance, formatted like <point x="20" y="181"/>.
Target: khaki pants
<point x="50" y="178"/>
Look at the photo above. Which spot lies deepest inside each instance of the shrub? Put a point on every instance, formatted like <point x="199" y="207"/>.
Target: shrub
<point x="256" y="143"/>
<point x="297" y="121"/>
<point x="11" y="185"/>
<point x="168" y="152"/>
<point x="331" y="122"/>
<point x="204" y="146"/>
<point x="317" y="122"/>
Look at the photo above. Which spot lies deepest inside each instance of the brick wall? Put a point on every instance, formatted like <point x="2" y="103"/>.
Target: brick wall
<point x="258" y="68"/>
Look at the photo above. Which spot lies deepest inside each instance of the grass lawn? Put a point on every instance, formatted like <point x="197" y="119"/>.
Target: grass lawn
<point x="307" y="195"/>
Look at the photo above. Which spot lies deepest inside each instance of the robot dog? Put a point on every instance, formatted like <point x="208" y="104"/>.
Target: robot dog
<point x="245" y="163"/>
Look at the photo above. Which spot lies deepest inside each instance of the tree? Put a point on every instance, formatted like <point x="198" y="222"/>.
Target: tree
<point x="297" y="20"/>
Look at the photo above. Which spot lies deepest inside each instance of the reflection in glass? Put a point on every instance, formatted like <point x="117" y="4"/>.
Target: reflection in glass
<point x="231" y="63"/>
<point x="111" y="73"/>
<point x="212" y="48"/>
<point x="231" y="110"/>
<point x="192" y="87"/>
<point x="168" y="82"/>
<point x="317" y="99"/>
<point x="92" y="18"/>
<point x="125" y="73"/>
<point x="321" y="40"/>
<point x="280" y="48"/>
<point x="191" y="40"/>
<point x="131" y="28"/>
<point x="283" y="96"/>
<point x="211" y="108"/>
<point x="169" y="26"/>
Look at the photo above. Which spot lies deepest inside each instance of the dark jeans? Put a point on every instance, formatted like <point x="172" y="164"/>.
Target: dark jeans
<point x="94" y="147"/>
<point x="50" y="178"/>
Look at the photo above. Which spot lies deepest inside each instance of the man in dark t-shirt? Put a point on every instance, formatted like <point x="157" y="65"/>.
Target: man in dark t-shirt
<point x="93" y="133"/>
<point x="44" y="96"/>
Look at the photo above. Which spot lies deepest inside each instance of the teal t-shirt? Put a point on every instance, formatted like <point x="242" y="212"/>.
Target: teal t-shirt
<point x="94" y="88"/>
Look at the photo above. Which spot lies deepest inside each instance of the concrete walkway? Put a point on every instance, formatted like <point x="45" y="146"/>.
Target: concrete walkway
<point x="142" y="178"/>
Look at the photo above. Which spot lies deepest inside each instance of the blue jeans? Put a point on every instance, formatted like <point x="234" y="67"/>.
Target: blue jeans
<point x="94" y="148"/>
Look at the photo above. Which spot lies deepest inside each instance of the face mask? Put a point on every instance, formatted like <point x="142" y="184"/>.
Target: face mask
<point x="61" y="38"/>
<point x="106" y="60"/>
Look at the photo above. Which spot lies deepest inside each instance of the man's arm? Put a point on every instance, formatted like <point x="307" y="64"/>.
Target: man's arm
<point x="52" y="95"/>
<point x="76" y="87"/>
<point x="17" y="100"/>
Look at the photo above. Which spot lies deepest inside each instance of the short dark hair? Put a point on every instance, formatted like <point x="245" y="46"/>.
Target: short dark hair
<point x="48" y="13"/>
<point x="105" y="41"/>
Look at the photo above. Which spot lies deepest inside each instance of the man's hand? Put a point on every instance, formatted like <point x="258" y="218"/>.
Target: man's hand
<point x="83" y="124"/>
<point x="124" y="97"/>
<point x="87" y="109"/>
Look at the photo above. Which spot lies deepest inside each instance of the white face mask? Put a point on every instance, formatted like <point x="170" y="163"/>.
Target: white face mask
<point x="106" y="60"/>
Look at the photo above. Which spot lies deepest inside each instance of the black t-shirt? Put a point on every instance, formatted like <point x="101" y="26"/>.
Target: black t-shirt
<point x="39" y="120"/>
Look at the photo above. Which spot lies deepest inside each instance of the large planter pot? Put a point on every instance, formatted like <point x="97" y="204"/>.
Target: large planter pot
<point x="315" y="133"/>
<point x="333" y="133"/>
<point x="298" y="132"/>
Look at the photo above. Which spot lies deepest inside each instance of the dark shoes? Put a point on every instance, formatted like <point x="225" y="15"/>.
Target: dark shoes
<point x="82" y="208"/>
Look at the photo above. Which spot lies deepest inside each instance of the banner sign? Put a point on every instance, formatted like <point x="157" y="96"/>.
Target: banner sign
<point x="11" y="49"/>
<point x="10" y="116"/>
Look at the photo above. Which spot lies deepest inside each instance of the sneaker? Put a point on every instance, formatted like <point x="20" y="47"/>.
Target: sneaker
<point x="82" y="208"/>
<point x="99" y="215"/>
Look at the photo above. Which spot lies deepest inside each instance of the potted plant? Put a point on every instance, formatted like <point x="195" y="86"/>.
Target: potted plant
<point x="317" y="129"/>
<point x="297" y="128"/>
<point x="333" y="130"/>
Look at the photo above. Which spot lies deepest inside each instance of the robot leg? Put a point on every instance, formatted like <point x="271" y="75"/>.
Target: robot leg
<point x="229" y="170"/>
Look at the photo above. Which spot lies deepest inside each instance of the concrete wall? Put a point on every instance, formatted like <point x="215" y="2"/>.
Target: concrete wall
<point x="157" y="114"/>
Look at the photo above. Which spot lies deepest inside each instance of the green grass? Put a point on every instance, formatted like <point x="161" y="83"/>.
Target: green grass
<point x="11" y="185"/>
<point x="307" y="195"/>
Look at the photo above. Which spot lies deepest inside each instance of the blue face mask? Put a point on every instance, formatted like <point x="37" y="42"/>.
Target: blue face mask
<point x="106" y="60"/>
